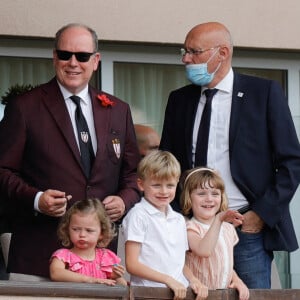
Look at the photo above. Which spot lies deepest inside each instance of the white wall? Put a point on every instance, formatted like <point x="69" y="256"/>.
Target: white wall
<point x="256" y="23"/>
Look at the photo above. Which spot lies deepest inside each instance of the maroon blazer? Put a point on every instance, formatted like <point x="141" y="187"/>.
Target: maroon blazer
<point x="38" y="151"/>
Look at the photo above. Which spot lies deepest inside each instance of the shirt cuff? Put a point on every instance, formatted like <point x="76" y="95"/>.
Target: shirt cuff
<point x="36" y="201"/>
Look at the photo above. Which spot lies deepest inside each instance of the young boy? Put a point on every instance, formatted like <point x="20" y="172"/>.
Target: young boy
<point x="155" y="235"/>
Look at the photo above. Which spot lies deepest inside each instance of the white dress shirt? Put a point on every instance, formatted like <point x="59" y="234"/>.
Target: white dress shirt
<point x="87" y="110"/>
<point x="218" y="142"/>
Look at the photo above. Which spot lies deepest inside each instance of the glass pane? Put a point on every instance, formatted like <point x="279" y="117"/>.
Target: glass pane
<point x="278" y="75"/>
<point x="24" y="71"/>
<point x="146" y="88"/>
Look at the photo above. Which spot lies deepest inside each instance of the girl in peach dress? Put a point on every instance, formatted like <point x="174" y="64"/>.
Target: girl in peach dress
<point x="85" y="231"/>
<point x="211" y="237"/>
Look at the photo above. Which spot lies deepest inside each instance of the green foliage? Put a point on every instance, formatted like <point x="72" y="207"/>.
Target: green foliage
<point x="14" y="91"/>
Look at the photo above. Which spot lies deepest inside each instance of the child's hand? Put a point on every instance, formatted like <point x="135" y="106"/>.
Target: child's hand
<point x="178" y="288"/>
<point x="199" y="289"/>
<point x="238" y="284"/>
<point x="231" y="216"/>
<point x="105" y="281"/>
<point x="117" y="271"/>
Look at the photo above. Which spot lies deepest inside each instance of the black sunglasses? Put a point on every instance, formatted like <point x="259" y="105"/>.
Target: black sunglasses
<point x="80" y="56"/>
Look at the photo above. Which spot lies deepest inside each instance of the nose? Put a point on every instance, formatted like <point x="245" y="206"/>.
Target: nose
<point x="186" y="58"/>
<point x="81" y="233"/>
<point x="73" y="60"/>
<point x="209" y="197"/>
<point x="163" y="189"/>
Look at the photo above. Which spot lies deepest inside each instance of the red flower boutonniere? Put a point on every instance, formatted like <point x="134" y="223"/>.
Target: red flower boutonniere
<point x="105" y="101"/>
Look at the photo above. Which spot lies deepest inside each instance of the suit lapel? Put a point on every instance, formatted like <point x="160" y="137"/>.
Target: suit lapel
<point x="102" y="116"/>
<point x="191" y="110"/>
<point x="239" y="98"/>
<point x="57" y="108"/>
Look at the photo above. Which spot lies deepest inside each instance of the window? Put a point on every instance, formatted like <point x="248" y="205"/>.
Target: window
<point x="146" y="88"/>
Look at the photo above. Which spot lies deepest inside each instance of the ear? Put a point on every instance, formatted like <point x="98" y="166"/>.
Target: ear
<point x="224" y="53"/>
<point x="54" y="56"/>
<point x="100" y="238"/>
<point x="97" y="58"/>
<point x="140" y="184"/>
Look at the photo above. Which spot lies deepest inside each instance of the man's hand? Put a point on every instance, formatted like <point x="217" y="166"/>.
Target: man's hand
<point x="115" y="207"/>
<point x="252" y="222"/>
<point x="53" y="203"/>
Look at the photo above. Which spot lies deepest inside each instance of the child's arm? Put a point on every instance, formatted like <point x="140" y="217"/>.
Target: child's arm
<point x="205" y="246"/>
<point x="199" y="288"/>
<point x="134" y="267"/>
<point x="58" y="272"/>
<point x="237" y="283"/>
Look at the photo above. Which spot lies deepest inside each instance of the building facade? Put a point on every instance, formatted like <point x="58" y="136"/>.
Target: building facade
<point x="141" y="63"/>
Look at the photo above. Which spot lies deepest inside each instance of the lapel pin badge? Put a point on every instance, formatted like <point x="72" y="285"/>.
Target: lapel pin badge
<point x="84" y="136"/>
<point x="240" y="94"/>
<point x="117" y="148"/>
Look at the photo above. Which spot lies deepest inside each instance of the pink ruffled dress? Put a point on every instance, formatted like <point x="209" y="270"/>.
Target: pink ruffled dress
<point x="100" y="267"/>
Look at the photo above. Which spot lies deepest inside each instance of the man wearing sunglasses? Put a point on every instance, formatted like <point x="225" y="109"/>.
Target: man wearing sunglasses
<point x="64" y="141"/>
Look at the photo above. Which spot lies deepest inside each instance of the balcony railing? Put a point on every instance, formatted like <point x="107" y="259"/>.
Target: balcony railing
<point x="14" y="290"/>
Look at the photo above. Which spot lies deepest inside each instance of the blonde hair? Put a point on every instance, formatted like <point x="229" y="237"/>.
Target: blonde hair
<point x="160" y="165"/>
<point x="88" y="206"/>
<point x="200" y="178"/>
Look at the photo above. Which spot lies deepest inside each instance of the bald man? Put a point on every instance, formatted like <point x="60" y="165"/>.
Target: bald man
<point x="147" y="138"/>
<point x="251" y="141"/>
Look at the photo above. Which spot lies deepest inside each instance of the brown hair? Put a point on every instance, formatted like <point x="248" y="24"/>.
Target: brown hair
<point x="199" y="178"/>
<point x="88" y="206"/>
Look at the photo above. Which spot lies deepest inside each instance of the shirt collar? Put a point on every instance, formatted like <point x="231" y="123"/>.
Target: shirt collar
<point x="152" y="210"/>
<point x="84" y="94"/>
<point x="226" y="84"/>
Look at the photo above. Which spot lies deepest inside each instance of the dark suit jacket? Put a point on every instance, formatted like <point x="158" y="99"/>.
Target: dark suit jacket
<point x="39" y="152"/>
<point x="263" y="148"/>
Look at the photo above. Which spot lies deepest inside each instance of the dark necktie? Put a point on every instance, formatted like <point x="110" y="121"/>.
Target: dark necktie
<point x="84" y="138"/>
<point x="203" y="133"/>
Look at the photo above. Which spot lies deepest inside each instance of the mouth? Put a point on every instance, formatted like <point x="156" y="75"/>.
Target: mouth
<point x="208" y="206"/>
<point x="72" y="73"/>
<point x="162" y="198"/>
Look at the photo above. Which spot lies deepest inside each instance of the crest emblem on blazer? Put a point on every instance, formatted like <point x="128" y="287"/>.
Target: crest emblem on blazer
<point x="84" y="136"/>
<point x="117" y="148"/>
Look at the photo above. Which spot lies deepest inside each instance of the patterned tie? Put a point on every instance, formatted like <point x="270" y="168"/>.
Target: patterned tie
<point x="203" y="133"/>
<point x="84" y="138"/>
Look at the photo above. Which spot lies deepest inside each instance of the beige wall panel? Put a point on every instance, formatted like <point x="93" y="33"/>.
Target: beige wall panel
<point x="255" y="23"/>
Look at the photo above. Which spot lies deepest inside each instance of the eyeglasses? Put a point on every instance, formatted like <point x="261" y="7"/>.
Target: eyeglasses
<point x="80" y="56"/>
<point x="185" y="51"/>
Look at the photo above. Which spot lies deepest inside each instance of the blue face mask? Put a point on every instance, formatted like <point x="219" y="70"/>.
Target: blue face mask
<point x="198" y="74"/>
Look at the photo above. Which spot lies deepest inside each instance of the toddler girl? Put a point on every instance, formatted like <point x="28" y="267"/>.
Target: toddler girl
<point x="85" y="230"/>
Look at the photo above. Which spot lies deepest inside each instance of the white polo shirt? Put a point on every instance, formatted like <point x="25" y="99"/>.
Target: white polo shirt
<point x="163" y="238"/>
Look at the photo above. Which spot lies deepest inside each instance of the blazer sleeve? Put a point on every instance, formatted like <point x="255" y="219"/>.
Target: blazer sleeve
<point x="13" y="141"/>
<point x="284" y="152"/>
<point x="128" y="189"/>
